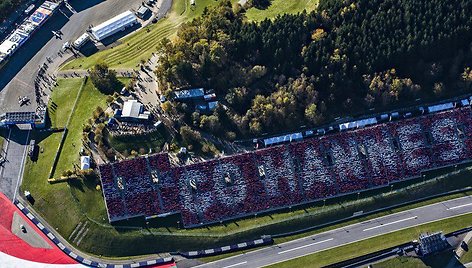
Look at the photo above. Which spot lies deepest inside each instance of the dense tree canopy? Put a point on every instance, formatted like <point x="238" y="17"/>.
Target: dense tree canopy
<point x="104" y="79"/>
<point x="344" y="58"/>
<point x="6" y="6"/>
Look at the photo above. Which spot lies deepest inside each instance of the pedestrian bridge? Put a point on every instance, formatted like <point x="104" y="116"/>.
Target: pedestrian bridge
<point x="36" y="119"/>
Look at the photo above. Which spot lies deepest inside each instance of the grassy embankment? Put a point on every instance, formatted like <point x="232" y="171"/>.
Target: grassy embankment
<point x="140" y="45"/>
<point x="349" y="251"/>
<point x="278" y="7"/>
<point x="56" y="199"/>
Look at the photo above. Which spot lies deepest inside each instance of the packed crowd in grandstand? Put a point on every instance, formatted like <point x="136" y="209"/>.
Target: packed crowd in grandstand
<point x="290" y="174"/>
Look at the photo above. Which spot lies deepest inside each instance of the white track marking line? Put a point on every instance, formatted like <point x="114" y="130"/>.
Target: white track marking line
<point x="237" y="264"/>
<point x="22" y="166"/>
<point x="390" y="223"/>
<point x="461" y="206"/>
<point x="304" y="246"/>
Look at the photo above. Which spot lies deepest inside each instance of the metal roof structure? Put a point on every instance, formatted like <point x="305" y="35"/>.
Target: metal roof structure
<point x="189" y="94"/>
<point x="134" y="109"/>
<point x="358" y="123"/>
<point x="113" y="25"/>
<point x="142" y="11"/>
<point x="284" y="138"/>
<point x="440" y="107"/>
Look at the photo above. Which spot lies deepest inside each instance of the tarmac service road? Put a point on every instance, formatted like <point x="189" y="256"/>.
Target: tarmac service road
<point x="345" y="235"/>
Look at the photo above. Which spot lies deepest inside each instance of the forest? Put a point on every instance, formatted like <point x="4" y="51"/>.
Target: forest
<point x="346" y="58"/>
<point x="6" y="6"/>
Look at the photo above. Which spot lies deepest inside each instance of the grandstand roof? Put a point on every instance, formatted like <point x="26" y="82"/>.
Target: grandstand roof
<point x="358" y="123"/>
<point x="440" y="107"/>
<point x="133" y="109"/>
<point x="113" y="25"/>
<point x="284" y="138"/>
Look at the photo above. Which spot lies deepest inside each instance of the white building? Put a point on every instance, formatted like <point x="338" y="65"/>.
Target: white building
<point x="114" y="25"/>
<point x="132" y="109"/>
<point x="84" y="162"/>
<point x="84" y="38"/>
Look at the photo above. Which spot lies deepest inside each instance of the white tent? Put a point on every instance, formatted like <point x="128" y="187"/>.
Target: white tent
<point x="84" y="162"/>
<point x="114" y="25"/>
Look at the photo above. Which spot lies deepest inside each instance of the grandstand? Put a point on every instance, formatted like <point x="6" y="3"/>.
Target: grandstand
<point x="27" y="28"/>
<point x="289" y="174"/>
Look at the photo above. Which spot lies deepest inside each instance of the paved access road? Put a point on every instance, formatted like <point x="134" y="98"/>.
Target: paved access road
<point x="346" y="235"/>
<point x="14" y="151"/>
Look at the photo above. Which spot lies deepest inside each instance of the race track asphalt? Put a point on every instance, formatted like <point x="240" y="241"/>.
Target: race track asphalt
<point x="349" y="234"/>
<point x="18" y="75"/>
<point x="14" y="151"/>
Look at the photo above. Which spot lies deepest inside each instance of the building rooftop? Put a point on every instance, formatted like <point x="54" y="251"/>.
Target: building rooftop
<point x="113" y="25"/>
<point x="134" y="109"/>
<point x="189" y="94"/>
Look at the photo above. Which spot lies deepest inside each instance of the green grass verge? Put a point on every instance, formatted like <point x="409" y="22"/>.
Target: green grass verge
<point x="152" y="141"/>
<point x="467" y="257"/>
<point x="278" y="7"/>
<point x="404" y="262"/>
<point x="437" y="261"/>
<point x="62" y="99"/>
<point x="89" y="99"/>
<point x="377" y="243"/>
<point x="140" y="45"/>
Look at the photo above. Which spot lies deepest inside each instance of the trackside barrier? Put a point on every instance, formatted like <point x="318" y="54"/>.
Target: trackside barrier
<point x="371" y="257"/>
<point x="459" y="232"/>
<point x="79" y="258"/>
<point x="311" y="228"/>
<point x="226" y="249"/>
<point x="385" y="253"/>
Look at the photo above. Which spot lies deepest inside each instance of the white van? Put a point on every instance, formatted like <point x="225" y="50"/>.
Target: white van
<point x="81" y="41"/>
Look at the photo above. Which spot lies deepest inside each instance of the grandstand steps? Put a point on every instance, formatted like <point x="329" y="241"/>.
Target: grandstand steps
<point x="297" y="168"/>
<point x="395" y="143"/>
<point x="122" y="193"/>
<point x="82" y="236"/>
<point x="156" y="187"/>
<point x="363" y="159"/>
<point x="80" y="233"/>
<point x="76" y="229"/>
<point x="327" y="166"/>
<point x="196" y="202"/>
